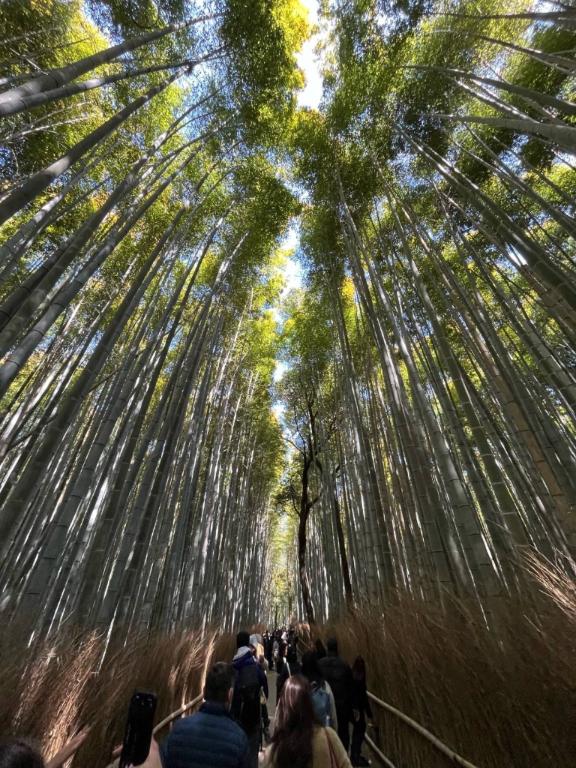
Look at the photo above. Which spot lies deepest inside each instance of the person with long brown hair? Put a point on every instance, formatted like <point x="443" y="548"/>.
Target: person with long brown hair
<point x="299" y="741"/>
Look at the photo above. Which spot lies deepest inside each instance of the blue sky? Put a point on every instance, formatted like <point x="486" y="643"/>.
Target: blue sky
<point x="309" y="62"/>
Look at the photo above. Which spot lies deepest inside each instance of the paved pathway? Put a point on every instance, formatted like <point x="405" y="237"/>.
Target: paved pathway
<point x="272" y="677"/>
<point x="271" y="706"/>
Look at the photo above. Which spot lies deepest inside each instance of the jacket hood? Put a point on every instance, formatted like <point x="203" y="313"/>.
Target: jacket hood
<point x="242" y="657"/>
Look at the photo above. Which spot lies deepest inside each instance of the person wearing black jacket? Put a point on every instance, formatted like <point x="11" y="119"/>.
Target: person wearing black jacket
<point x="360" y="711"/>
<point x="320" y="650"/>
<point x="286" y="666"/>
<point x="268" y="648"/>
<point x="339" y="677"/>
<point x="250" y="680"/>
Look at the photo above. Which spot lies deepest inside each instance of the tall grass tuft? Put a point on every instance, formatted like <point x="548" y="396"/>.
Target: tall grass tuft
<point x="50" y="691"/>
<point x="498" y="687"/>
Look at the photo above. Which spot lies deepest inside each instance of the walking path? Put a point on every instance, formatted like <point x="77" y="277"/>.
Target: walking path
<point x="272" y="676"/>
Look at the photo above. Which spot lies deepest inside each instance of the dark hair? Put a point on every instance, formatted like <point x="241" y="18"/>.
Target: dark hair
<point x="359" y="669"/>
<point x="310" y="668"/>
<point x="294" y="725"/>
<point x="19" y="754"/>
<point x="332" y="645"/>
<point x="320" y="650"/>
<point x="218" y="682"/>
<point x="242" y="638"/>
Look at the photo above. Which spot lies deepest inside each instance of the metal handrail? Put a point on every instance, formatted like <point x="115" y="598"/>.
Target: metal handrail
<point x="434" y="740"/>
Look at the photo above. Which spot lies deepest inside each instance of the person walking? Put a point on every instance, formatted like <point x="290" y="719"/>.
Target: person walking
<point x="283" y="672"/>
<point x="256" y="643"/>
<point x="249" y="682"/>
<point x="263" y="702"/>
<point x="320" y="650"/>
<point x="275" y="651"/>
<point x="360" y="711"/>
<point x="287" y="665"/>
<point x="322" y="696"/>
<point x="298" y="740"/>
<point x="339" y="677"/>
<point x="210" y="737"/>
<point x="268" y="648"/>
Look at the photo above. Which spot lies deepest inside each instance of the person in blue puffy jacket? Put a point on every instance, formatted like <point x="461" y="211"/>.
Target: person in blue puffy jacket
<point x="210" y="738"/>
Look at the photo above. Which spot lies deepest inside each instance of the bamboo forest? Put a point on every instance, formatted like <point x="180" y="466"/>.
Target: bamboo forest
<point x="288" y="337"/>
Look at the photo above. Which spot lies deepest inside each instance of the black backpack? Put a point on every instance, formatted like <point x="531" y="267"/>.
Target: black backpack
<point x="248" y="697"/>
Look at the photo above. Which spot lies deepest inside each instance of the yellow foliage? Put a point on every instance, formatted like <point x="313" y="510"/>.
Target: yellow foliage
<point x="292" y="17"/>
<point x="348" y="290"/>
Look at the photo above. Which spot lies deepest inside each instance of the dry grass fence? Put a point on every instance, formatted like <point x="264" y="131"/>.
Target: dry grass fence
<point x="500" y="694"/>
<point x="50" y="692"/>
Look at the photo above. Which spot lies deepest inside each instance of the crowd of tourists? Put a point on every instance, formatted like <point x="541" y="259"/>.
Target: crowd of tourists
<point x="319" y="699"/>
